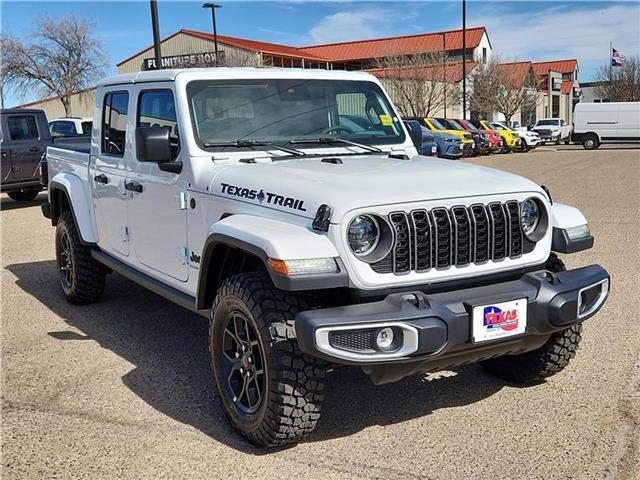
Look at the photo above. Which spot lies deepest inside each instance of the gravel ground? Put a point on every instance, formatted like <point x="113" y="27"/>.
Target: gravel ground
<point x="122" y="389"/>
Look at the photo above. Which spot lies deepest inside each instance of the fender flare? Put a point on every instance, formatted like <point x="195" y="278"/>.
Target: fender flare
<point x="564" y="217"/>
<point x="73" y="188"/>
<point x="261" y="238"/>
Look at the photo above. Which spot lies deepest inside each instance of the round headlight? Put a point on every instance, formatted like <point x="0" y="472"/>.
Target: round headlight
<point x="363" y="234"/>
<point x="529" y="216"/>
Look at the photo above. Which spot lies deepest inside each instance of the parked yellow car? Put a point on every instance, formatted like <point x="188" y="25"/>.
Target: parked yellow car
<point x="465" y="137"/>
<point x="510" y="137"/>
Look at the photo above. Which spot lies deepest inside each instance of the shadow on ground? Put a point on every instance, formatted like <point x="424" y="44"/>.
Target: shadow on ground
<point x="8" y="204"/>
<point x="168" y="346"/>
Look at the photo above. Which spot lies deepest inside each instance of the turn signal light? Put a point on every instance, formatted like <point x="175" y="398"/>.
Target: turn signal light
<point x="303" y="267"/>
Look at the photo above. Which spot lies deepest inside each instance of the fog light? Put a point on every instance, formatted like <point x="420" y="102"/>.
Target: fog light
<point x="384" y="339"/>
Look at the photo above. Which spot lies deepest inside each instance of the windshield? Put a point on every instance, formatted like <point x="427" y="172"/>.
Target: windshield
<point x="547" y="122"/>
<point x="279" y="110"/>
<point x="499" y="126"/>
<point x="436" y="124"/>
<point x="454" y="124"/>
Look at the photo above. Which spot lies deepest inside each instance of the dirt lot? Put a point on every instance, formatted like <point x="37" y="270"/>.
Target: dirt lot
<point x="122" y="388"/>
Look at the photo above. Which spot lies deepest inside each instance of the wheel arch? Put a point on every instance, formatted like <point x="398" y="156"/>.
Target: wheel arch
<point x="66" y="193"/>
<point x="241" y="243"/>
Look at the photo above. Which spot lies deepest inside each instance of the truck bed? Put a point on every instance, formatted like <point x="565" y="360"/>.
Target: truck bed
<point x="81" y="143"/>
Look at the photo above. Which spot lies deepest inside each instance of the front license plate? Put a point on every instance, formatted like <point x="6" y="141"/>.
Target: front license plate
<point x="499" y="320"/>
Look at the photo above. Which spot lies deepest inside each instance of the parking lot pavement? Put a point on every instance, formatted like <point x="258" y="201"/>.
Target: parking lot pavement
<point x="121" y="389"/>
<point x="602" y="148"/>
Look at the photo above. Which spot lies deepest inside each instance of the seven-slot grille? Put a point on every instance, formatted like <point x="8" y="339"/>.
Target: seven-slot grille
<point x="444" y="237"/>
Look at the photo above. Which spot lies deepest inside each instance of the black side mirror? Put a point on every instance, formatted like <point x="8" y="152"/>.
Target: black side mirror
<point x="153" y="144"/>
<point x="415" y="132"/>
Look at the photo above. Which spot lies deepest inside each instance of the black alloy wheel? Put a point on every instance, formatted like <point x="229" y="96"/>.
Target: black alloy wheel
<point x="243" y="363"/>
<point x="65" y="262"/>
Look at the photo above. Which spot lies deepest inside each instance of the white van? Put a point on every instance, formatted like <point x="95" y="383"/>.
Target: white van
<point x="609" y="122"/>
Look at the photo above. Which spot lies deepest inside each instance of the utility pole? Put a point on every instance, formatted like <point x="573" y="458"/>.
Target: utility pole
<point x="444" y="66"/>
<point x="213" y="7"/>
<point x="156" y="34"/>
<point x="464" y="59"/>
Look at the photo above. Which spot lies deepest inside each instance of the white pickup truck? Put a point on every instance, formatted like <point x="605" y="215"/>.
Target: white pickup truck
<point x="291" y="209"/>
<point x="553" y="130"/>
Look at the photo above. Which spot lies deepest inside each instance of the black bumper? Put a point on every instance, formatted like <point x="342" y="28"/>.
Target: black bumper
<point x="443" y="321"/>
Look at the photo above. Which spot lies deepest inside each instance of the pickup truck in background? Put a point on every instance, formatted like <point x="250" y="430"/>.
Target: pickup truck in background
<point x="70" y="126"/>
<point x="291" y="209"/>
<point x="24" y="136"/>
<point x="554" y="130"/>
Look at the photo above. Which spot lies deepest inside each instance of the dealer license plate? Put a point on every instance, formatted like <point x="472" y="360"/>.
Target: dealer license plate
<point x="499" y="320"/>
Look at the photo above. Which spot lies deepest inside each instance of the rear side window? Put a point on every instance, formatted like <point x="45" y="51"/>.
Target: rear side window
<point x="156" y="108"/>
<point x="22" y="127"/>
<point x="114" y="120"/>
<point x="86" y="128"/>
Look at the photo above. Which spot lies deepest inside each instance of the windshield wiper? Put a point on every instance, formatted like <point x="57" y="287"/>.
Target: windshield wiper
<point x="331" y="140"/>
<point x="256" y="143"/>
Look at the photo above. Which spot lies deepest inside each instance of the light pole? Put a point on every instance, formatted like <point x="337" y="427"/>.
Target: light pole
<point x="464" y="59"/>
<point x="156" y="33"/>
<point x="213" y="7"/>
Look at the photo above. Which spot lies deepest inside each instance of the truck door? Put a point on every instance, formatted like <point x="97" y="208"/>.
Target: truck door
<point x="158" y="210"/>
<point x="26" y="144"/>
<point x="109" y="171"/>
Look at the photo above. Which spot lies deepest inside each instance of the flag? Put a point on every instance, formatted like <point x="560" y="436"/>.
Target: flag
<point x="616" y="58"/>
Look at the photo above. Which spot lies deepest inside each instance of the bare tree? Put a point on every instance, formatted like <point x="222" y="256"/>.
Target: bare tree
<point x="620" y="84"/>
<point x="418" y="82"/>
<point x="506" y="88"/>
<point x="63" y="58"/>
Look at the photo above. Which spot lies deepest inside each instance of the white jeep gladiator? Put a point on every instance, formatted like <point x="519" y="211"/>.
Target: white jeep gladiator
<point x="290" y="208"/>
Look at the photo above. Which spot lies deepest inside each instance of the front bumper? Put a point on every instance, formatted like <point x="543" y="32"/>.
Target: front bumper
<point x="438" y="326"/>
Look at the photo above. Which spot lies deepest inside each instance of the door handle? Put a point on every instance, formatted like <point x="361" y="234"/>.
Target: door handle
<point x="34" y="149"/>
<point x="101" y="179"/>
<point x="133" y="186"/>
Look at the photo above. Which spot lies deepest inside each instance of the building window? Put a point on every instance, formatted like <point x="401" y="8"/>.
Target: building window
<point x="555" y="106"/>
<point x="484" y="54"/>
<point x="156" y="108"/>
<point x="114" y="119"/>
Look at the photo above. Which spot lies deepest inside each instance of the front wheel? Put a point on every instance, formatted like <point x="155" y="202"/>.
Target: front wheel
<point x="590" y="142"/>
<point x="551" y="358"/>
<point x="23" y="195"/>
<point x="269" y="389"/>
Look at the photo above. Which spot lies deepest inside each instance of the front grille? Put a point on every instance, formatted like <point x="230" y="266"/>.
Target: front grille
<point x="543" y="132"/>
<point x="444" y="237"/>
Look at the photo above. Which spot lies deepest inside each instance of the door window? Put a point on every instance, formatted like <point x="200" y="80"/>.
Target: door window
<point x="114" y="119"/>
<point x="86" y="128"/>
<point x="156" y="108"/>
<point x="22" y="127"/>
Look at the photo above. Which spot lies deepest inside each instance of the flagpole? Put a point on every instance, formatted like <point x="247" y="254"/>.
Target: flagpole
<point x="610" y="65"/>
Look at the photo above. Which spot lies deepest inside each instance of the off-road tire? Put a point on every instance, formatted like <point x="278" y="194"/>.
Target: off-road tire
<point x="552" y="357"/>
<point x="87" y="275"/>
<point x="23" y="195"/>
<point x="294" y="382"/>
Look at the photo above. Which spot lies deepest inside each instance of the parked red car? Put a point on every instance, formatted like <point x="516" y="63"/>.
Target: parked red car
<point x="495" y="140"/>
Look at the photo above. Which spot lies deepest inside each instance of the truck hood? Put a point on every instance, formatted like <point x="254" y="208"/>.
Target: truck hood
<point x="300" y="186"/>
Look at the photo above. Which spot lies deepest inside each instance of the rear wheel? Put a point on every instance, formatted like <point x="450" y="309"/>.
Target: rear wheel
<point x="269" y="389"/>
<point x="81" y="277"/>
<point x="23" y="195"/>
<point x="549" y="359"/>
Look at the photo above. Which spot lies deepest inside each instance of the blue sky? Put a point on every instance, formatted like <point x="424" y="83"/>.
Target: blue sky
<point x="519" y="30"/>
